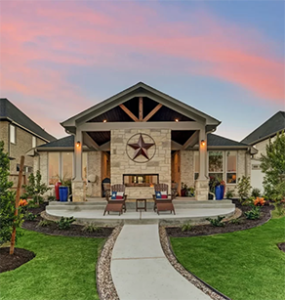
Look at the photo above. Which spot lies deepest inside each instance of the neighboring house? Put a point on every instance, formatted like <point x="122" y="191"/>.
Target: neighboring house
<point x="20" y="134"/>
<point x="259" y="138"/>
<point x="139" y="137"/>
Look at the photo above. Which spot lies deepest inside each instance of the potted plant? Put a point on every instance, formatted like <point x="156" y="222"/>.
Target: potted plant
<point x="65" y="190"/>
<point x="184" y="188"/>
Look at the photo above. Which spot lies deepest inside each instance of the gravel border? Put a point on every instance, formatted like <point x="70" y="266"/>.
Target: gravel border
<point x="105" y="286"/>
<point x="200" y="284"/>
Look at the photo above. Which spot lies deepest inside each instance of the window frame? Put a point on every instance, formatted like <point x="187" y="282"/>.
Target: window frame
<point x="14" y="130"/>
<point x="226" y="171"/>
<point x="34" y="142"/>
<point x="223" y="161"/>
<point x="195" y="173"/>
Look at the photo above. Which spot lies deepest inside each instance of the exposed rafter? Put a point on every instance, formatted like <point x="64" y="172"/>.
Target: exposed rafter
<point x="129" y="113"/>
<point x="105" y="147"/>
<point x="176" y="146"/>
<point x="194" y="138"/>
<point x="155" y="110"/>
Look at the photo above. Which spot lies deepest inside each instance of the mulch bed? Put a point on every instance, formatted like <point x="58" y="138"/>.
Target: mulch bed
<point x="11" y="262"/>
<point x="52" y="228"/>
<point x="229" y="227"/>
<point x="281" y="246"/>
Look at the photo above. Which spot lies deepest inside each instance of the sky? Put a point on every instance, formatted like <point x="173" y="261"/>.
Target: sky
<point x="225" y="58"/>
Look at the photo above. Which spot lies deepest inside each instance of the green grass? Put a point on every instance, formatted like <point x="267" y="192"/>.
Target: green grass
<point x="242" y="265"/>
<point x="64" y="268"/>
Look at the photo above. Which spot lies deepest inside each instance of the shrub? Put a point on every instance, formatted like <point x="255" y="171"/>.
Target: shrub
<point x="30" y="216"/>
<point x="90" y="228"/>
<point x="64" y="223"/>
<point x="32" y="204"/>
<point x="243" y="188"/>
<point x="255" y="193"/>
<point x="259" y="201"/>
<point x="253" y="214"/>
<point x="23" y="202"/>
<point x="229" y="194"/>
<point x="237" y="221"/>
<point x="280" y="208"/>
<point x="248" y="201"/>
<point x="43" y="223"/>
<point x="217" y="222"/>
<point x="186" y="227"/>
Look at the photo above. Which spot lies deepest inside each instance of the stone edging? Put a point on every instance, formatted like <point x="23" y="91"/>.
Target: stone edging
<point x="200" y="284"/>
<point x="105" y="286"/>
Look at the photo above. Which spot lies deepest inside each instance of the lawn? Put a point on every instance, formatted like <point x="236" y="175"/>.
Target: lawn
<point x="64" y="268"/>
<point x="242" y="265"/>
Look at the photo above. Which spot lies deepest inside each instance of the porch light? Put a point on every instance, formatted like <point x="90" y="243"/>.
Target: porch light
<point x="176" y="120"/>
<point x="78" y="144"/>
<point x="203" y="143"/>
<point x="105" y="121"/>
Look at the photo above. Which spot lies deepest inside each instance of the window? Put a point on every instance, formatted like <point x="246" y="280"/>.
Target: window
<point x="196" y="165"/>
<point x="53" y="168"/>
<point x="12" y="134"/>
<point x="216" y="165"/>
<point x="34" y="142"/>
<point x="67" y="165"/>
<point x="231" y="166"/>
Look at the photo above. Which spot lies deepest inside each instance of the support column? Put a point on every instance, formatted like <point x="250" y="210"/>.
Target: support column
<point x="77" y="183"/>
<point x="202" y="183"/>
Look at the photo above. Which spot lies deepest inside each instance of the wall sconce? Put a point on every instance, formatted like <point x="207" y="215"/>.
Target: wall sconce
<point x="105" y="121"/>
<point x="176" y="120"/>
<point x="78" y="144"/>
<point x="203" y="143"/>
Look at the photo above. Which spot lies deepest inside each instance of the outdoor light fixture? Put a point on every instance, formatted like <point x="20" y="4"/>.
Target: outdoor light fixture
<point x="176" y="120"/>
<point x="203" y="143"/>
<point x="78" y="144"/>
<point x="104" y="121"/>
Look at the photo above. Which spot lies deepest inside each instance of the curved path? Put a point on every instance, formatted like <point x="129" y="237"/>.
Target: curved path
<point x="140" y="270"/>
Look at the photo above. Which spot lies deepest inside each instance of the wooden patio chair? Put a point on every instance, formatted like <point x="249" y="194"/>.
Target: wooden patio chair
<point x="116" y="205"/>
<point x="174" y="187"/>
<point x="163" y="204"/>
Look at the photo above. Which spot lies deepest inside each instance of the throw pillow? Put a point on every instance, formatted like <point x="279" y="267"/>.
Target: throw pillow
<point x="158" y="195"/>
<point x="164" y="195"/>
<point x="120" y="195"/>
<point x="114" y="195"/>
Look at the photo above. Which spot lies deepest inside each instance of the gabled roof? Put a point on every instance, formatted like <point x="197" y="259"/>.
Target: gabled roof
<point x="139" y="90"/>
<point x="268" y="129"/>
<point x="66" y="142"/>
<point x="8" y="111"/>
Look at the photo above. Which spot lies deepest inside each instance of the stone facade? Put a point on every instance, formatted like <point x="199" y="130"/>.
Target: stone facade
<point x="187" y="167"/>
<point x="4" y="135"/>
<point x="94" y="162"/>
<point x="160" y="164"/>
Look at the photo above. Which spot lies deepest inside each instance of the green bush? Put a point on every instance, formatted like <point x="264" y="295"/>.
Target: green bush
<point x="43" y="223"/>
<point x="253" y="214"/>
<point x="237" y="221"/>
<point x="217" y="222"/>
<point x="229" y="194"/>
<point x="256" y="193"/>
<point x="90" y="228"/>
<point x="280" y="208"/>
<point x="64" y="223"/>
<point x="186" y="227"/>
<point x="243" y="188"/>
<point x="30" y="216"/>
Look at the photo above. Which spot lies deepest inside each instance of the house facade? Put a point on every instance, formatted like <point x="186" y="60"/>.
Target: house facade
<point x="20" y="134"/>
<point x="259" y="139"/>
<point x="140" y="137"/>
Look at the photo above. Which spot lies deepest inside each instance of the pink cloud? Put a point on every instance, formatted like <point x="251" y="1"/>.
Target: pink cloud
<point x="68" y="34"/>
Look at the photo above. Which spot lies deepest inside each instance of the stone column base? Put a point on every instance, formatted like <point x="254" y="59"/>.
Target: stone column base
<point x="202" y="189"/>
<point x="78" y="191"/>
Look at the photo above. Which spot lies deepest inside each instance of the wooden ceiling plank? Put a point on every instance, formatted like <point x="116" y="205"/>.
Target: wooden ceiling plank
<point x="129" y="113"/>
<point x="155" y="110"/>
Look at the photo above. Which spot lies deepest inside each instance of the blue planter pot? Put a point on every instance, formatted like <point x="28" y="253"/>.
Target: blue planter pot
<point x="63" y="193"/>
<point x="219" y="191"/>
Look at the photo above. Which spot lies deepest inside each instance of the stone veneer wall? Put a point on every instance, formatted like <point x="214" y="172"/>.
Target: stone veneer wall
<point x="187" y="167"/>
<point x="94" y="168"/>
<point x="122" y="164"/>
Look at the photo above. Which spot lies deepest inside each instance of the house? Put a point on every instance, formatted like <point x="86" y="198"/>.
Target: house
<point x="140" y="137"/>
<point x="19" y="134"/>
<point x="258" y="139"/>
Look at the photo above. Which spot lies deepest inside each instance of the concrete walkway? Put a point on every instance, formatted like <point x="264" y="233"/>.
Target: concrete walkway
<point x="140" y="270"/>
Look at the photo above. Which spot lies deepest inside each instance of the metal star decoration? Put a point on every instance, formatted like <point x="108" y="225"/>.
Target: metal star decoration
<point x="141" y="148"/>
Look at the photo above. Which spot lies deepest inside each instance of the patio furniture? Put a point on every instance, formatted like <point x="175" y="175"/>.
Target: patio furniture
<point x="174" y="187"/>
<point x="141" y="207"/>
<point x="164" y="202"/>
<point x="116" y="205"/>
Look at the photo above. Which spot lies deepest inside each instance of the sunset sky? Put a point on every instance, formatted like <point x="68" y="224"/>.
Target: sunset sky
<point x="225" y="58"/>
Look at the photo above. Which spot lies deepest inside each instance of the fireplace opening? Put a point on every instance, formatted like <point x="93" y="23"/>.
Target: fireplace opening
<point x="144" y="180"/>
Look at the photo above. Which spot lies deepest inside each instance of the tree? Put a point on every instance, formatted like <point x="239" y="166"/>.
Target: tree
<point x="243" y="188"/>
<point x="7" y="198"/>
<point x="273" y="166"/>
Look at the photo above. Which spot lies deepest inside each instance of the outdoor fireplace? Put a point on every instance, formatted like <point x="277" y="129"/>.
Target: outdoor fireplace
<point x="140" y="180"/>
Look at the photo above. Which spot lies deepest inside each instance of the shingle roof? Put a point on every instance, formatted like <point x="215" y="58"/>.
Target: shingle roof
<point x="65" y="142"/>
<point x="10" y="112"/>
<point x="213" y="141"/>
<point x="269" y="128"/>
<point x="216" y="141"/>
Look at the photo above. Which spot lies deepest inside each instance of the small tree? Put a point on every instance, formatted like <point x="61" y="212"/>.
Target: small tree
<point x="243" y="188"/>
<point x="273" y="166"/>
<point x="7" y="198"/>
<point x="35" y="188"/>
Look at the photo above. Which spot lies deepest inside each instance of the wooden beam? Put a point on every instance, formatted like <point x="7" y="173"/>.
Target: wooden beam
<point x="140" y="108"/>
<point x="129" y="113"/>
<point x="89" y="142"/>
<point x="157" y="108"/>
<point x="100" y="126"/>
<point x="194" y="138"/>
<point x="105" y="147"/>
<point x="176" y="146"/>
